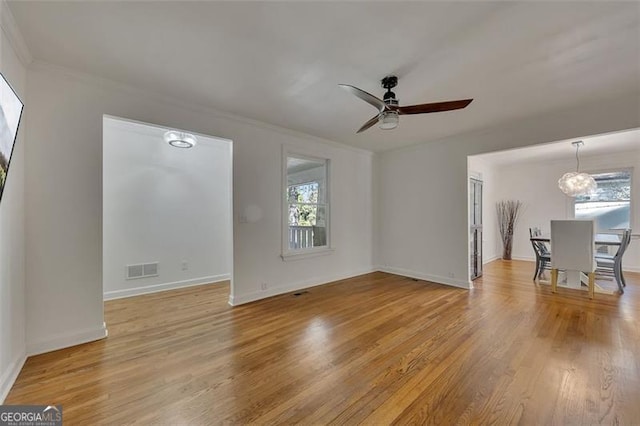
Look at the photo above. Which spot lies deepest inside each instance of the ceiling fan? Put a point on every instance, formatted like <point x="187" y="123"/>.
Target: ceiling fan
<point x="389" y="110"/>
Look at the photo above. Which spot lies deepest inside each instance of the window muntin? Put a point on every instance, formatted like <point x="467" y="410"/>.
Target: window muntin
<point x="610" y="205"/>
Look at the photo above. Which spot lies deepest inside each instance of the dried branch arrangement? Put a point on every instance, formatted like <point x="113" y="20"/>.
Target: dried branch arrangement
<point x="508" y="214"/>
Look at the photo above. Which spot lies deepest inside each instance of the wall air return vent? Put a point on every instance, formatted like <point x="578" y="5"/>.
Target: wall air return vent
<point x="143" y="270"/>
<point x="150" y="269"/>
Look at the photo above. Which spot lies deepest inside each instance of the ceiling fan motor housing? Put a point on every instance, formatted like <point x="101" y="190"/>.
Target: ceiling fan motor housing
<point x="390" y="99"/>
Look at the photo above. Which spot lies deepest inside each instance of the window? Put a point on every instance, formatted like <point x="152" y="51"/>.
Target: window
<point x="610" y="206"/>
<point x="303" y="204"/>
<point x="306" y="205"/>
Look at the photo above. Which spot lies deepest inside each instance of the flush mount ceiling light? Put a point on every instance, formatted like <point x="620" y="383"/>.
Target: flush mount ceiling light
<point x="575" y="183"/>
<point x="180" y="139"/>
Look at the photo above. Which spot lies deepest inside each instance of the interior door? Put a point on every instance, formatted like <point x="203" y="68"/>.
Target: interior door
<point x="475" y="221"/>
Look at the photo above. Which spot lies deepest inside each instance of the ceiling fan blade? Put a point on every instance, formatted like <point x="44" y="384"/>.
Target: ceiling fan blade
<point x="367" y="97"/>
<point x="368" y="124"/>
<point x="433" y="107"/>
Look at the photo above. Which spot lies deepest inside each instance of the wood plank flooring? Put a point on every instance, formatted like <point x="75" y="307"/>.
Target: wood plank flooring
<point x="375" y="349"/>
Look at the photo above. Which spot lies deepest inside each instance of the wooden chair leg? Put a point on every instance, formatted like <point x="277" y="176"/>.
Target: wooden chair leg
<point x="592" y="284"/>
<point x="554" y="280"/>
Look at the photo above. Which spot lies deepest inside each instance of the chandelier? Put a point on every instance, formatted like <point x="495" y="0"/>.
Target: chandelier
<point x="576" y="183"/>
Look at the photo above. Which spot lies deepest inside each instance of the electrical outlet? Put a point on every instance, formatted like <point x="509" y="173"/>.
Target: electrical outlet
<point x="452" y="275"/>
<point x="185" y="265"/>
<point x="263" y="286"/>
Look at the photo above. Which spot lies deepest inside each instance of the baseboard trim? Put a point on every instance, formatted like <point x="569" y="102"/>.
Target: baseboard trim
<point x="313" y="282"/>
<point x="490" y="259"/>
<point x="137" y="291"/>
<point x="525" y="258"/>
<point x="437" y="279"/>
<point x="9" y="377"/>
<point x="62" y="341"/>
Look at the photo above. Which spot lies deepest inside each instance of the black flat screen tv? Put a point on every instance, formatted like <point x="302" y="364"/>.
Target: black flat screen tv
<point x="10" y="114"/>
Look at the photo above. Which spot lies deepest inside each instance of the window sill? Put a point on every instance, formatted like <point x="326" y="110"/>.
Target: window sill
<point x="306" y="254"/>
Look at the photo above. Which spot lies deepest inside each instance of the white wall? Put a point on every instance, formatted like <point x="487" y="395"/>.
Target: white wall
<point x="64" y="201"/>
<point x="536" y="184"/>
<point x="164" y="204"/>
<point x="422" y="198"/>
<point x="12" y="243"/>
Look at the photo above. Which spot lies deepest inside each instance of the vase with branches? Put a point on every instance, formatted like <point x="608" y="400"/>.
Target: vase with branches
<point x="508" y="213"/>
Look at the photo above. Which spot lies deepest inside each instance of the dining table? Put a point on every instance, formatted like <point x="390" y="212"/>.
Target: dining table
<point x="574" y="279"/>
<point x="600" y="239"/>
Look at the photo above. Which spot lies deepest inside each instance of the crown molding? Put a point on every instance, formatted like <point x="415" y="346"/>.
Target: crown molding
<point x="14" y="36"/>
<point x="627" y="158"/>
<point x="94" y="80"/>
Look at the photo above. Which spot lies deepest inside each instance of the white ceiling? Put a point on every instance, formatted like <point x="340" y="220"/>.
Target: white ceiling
<point x="281" y="62"/>
<point x="626" y="141"/>
<point x="157" y="132"/>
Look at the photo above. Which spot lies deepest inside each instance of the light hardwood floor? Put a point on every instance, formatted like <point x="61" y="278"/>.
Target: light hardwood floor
<point x="375" y="349"/>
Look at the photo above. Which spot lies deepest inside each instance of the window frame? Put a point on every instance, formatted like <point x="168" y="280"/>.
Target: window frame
<point x="295" y="254"/>
<point x="632" y="201"/>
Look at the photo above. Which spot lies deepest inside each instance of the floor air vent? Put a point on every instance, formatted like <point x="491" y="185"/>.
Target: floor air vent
<point x="142" y="270"/>
<point x="300" y="293"/>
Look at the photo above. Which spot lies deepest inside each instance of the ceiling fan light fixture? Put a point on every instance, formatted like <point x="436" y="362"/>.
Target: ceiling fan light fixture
<point x="180" y="139"/>
<point x="388" y="120"/>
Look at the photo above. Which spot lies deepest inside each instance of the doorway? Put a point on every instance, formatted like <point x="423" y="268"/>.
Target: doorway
<point x="167" y="209"/>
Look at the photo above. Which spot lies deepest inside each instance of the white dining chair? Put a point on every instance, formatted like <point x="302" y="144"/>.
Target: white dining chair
<point x="611" y="265"/>
<point x="573" y="246"/>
